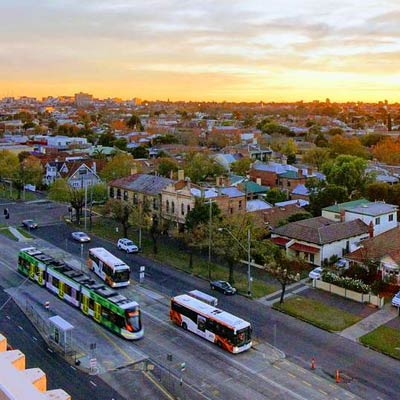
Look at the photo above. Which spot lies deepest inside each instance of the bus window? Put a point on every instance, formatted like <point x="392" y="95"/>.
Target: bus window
<point x="120" y="276"/>
<point x="133" y="317"/>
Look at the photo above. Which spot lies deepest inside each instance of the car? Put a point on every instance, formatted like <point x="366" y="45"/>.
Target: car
<point x="315" y="273"/>
<point x="29" y="223"/>
<point x="223" y="286"/>
<point x="396" y="300"/>
<point x="80" y="237"/>
<point x="342" y="264"/>
<point x="127" y="245"/>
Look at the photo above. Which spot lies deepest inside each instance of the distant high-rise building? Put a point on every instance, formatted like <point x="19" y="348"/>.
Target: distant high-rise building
<point x="83" y="100"/>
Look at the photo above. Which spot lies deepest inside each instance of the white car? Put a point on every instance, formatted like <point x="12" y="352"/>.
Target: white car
<point x="127" y="245"/>
<point x="80" y="237"/>
<point x="315" y="273"/>
<point x="396" y="300"/>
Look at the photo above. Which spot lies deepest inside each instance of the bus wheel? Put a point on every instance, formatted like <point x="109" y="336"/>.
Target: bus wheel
<point x="219" y="344"/>
<point x="184" y="325"/>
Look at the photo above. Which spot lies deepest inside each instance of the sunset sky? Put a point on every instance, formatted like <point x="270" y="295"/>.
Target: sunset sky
<point x="234" y="50"/>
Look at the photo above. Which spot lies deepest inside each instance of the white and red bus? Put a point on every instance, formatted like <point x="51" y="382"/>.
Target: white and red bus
<point x="108" y="267"/>
<point x="226" y="330"/>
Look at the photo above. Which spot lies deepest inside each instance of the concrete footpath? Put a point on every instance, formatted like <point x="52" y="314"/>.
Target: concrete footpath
<point x="291" y="290"/>
<point x="370" y="323"/>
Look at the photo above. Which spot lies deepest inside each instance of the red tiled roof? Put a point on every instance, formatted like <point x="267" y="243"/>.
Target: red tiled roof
<point x="279" y="241"/>
<point x="304" y="248"/>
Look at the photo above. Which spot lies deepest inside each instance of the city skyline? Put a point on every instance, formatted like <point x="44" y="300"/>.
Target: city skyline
<point x="202" y="51"/>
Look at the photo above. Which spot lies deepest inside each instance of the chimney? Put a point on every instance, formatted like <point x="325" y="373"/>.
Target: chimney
<point x="309" y="171"/>
<point x="181" y="175"/>
<point x="371" y="229"/>
<point x="258" y="181"/>
<point x="134" y="170"/>
<point x="342" y="215"/>
<point x="218" y="181"/>
<point x="94" y="166"/>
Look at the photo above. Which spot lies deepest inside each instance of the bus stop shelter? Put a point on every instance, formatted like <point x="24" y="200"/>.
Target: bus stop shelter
<point x="61" y="333"/>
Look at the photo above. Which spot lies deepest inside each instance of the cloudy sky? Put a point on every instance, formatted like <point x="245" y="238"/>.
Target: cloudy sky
<point x="247" y="50"/>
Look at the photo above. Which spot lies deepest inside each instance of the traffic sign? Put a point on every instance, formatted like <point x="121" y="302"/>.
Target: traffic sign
<point x="183" y="366"/>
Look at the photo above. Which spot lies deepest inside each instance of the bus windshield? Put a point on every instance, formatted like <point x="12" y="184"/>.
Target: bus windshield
<point x="133" y="317"/>
<point x="121" y="276"/>
<point x="243" y="336"/>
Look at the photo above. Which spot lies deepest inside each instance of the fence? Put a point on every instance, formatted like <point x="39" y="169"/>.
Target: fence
<point x="349" y="294"/>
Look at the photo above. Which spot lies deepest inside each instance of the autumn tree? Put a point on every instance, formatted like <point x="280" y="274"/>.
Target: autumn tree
<point x="387" y="151"/>
<point x="351" y="146"/>
<point x="119" y="166"/>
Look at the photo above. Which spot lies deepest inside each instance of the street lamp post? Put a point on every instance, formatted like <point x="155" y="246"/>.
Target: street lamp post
<point x="248" y="255"/>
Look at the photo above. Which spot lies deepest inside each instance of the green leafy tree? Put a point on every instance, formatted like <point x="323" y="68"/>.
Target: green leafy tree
<point x="321" y="141"/>
<point x="166" y="166"/>
<point x="120" y="211"/>
<point x="119" y="166"/>
<point x="106" y="139"/>
<point x="275" y="195"/>
<point x="241" y="166"/>
<point x="140" y="152"/>
<point x="134" y="123"/>
<point x="316" y="157"/>
<point x="121" y="143"/>
<point x="199" y="167"/>
<point x="335" y="131"/>
<point x="377" y="191"/>
<point x="347" y="171"/>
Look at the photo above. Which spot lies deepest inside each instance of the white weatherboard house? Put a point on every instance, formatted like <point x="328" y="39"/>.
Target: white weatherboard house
<point x="381" y="216"/>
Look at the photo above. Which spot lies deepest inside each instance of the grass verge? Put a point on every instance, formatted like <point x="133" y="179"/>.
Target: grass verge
<point x="6" y="232"/>
<point x="383" y="339"/>
<point x="178" y="258"/>
<point x="326" y="317"/>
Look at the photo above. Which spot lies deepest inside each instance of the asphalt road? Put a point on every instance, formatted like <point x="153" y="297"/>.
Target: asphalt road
<point x="22" y="335"/>
<point x="368" y="374"/>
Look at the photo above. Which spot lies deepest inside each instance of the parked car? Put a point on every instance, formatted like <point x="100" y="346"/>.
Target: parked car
<point x="342" y="264"/>
<point x="396" y="300"/>
<point x="315" y="273"/>
<point x="80" y="237"/>
<point x="127" y="245"/>
<point x="223" y="286"/>
<point x="29" y="223"/>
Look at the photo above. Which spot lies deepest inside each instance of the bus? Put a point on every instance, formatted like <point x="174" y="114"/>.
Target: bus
<point x="226" y="330"/>
<point x="206" y="298"/>
<point x="109" y="268"/>
<point x="106" y="306"/>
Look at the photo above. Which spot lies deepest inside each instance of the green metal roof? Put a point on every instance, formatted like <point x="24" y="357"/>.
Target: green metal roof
<point x="289" y="175"/>
<point x="348" y="205"/>
<point x="252" y="187"/>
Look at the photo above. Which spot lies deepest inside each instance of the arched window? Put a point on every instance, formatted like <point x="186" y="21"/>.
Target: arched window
<point x="182" y="209"/>
<point x="167" y="206"/>
<point x="125" y="195"/>
<point x="118" y="193"/>
<point x="112" y="192"/>
<point x="172" y="207"/>
<point x="188" y="208"/>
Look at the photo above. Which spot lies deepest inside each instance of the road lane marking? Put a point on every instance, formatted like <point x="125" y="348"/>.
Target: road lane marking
<point x="230" y="360"/>
<point x="275" y="366"/>
<point x="50" y="350"/>
<point x="291" y="375"/>
<point x="323" y="392"/>
<point x="158" y="385"/>
<point x="72" y="367"/>
<point x="20" y="327"/>
<point x="93" y="383"/>
<point x="306" y="383"/>
<point x="34" y="338"/>
<point x="8" y="317"/>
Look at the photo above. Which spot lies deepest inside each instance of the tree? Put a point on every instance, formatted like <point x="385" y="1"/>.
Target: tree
<point x="166" y="166"/>
<point x="321" y="141"/>
<point x="316" y="157"/>
<point x="275" y="195"/>
<point x="120" y="211"/>
<point x="335" y="131"/>
<point x="121" y="143"/>
<point x="285" y="270"/>
<point x="140" y="218"/>
<point x="371" y="139"/>
<point x="134" y="123"/>
<point x="241" y="166"/>
<point x="200" y="214"/>
<point x="140" y="152"/>
<point x="199" y="167"/>
<point x="230" y="239"/>
<point x="119" y="166"/>
<point x="106" y="139"/>
<point x="387" y="151"/>
<point x="347" y="171"/>
<point x="351" y="146"/>
<point x="377" y="191"/>
<point x="61" y="191"/>
<point x="324" y="195"/>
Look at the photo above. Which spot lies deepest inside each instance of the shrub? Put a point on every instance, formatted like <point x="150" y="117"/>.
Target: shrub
<point x="345" y="282"/>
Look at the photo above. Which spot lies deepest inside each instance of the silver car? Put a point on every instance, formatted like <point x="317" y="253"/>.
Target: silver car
<point x="80" y="237"/>
<point x="29" y="223"/>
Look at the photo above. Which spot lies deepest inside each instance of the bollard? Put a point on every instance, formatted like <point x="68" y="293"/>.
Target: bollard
<point x="312" y="363"/>
<point x="337" y="376"/>
<point x="47" y="305"/>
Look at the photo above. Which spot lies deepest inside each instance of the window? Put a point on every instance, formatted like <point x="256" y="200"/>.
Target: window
<point x="188" y="208"/>
<point x="312" y="258"/>
<point x="135" y="198"/>
<point x="82" y="171"/>
<point x="182" y="209"/>
<point x="172" y="207"/>
<point x="377" y="221"/>
<point x="167" y="206"/>
<point x="155" y="204"/>
<point x="125" y="195"/>
<point x="231" y="210"/>
<point x="391" y="216"/>
<point x="118" y="193"/>
<point x="111" y="192"/>
<point x="240" y="204"/>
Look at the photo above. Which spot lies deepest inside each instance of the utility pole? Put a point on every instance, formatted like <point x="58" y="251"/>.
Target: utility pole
<point x="209" y="241"/>
<point x="248" y="262"/>
<point x="85" y="204"/>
